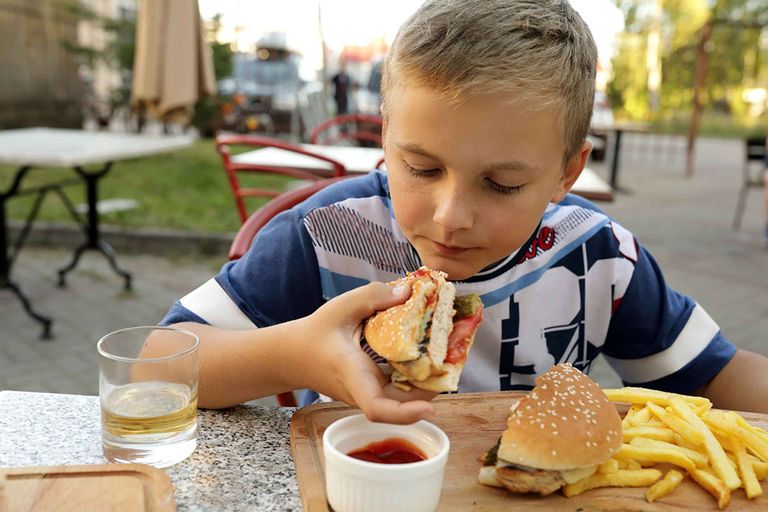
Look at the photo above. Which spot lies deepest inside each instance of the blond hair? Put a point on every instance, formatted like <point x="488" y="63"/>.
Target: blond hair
<point x="540" y="51"/>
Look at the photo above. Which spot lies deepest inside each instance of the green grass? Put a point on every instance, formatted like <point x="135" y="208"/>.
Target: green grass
<point x="712" y="124"/>
<point x="185" y="189"/>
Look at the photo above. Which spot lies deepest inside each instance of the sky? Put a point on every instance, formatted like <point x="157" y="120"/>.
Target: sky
<point x="356" y="22"/>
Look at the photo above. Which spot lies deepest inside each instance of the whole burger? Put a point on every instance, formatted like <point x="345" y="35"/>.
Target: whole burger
<point x="559" y="433"/>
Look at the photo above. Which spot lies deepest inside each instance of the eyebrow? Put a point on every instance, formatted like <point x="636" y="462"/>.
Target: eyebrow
<point x="512" y="165"/>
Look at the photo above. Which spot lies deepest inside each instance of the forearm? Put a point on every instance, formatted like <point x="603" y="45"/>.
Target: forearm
<point x="237" y="366"/>
<point x="742" y="385"/>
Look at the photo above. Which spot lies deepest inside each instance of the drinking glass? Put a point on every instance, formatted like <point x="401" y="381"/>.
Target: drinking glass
<point x="148" y="379"/>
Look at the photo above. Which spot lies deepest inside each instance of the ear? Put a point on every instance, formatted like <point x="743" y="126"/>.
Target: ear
<point x="571" y="172"/>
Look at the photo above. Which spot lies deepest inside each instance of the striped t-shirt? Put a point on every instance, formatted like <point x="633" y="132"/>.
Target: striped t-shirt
<point x="580" y="286"/>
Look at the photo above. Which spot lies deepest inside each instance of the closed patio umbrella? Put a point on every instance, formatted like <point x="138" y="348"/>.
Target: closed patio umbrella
<point x="173" y="66"/>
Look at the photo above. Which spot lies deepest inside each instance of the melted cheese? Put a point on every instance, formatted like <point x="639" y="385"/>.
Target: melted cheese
<point x="574" y="475"/>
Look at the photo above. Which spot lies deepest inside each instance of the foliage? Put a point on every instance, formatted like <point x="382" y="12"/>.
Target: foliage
<point x="117" y="53"/>
<point x="735" y="58"/>
<point x="206" y="113"/>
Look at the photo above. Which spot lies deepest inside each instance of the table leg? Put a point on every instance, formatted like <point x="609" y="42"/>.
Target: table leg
<point x="5" y="273"/>
<point x="615" y="160"/>
<point x="93" y="236"/>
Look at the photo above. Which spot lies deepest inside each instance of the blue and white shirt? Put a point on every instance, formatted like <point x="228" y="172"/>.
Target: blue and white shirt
<point x="581" y="286"/>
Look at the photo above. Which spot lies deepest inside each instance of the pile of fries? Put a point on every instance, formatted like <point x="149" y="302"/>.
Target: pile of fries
<point x="717" y="449"/>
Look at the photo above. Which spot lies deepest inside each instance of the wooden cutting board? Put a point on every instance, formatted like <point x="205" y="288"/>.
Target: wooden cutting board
<point x="473" y="422"/>
<point x="113" y="487"/>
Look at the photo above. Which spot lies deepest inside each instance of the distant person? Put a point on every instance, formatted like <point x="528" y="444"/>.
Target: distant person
<point x="374" y="83"/>
<point x="341" y="87"/>
<point x="482" y="148"/>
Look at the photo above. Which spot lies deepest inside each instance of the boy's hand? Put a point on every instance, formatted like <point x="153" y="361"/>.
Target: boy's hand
<point x="339" y="367"/>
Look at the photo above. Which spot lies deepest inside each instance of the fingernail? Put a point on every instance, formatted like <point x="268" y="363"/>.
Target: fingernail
<point x="399" y="289"/>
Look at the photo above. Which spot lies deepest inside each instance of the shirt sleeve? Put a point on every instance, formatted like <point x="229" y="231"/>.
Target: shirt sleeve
<point x="661" y="339"/>
<point x="275" y="281"/>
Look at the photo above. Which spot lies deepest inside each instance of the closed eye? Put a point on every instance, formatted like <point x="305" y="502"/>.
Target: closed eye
<point x="502" y="189"/>
<point x="421" y="173"/>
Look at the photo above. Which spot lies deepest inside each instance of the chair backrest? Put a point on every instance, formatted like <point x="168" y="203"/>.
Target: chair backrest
<point x="233" y="168"/>
<point x="754" y="151"/>
<point x="348" y="128"/>
<point x="257" y="220"/>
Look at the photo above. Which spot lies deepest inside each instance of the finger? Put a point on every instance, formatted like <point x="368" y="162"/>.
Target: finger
<point x="364" y="301"/>
<point x="395" y="393"/>
<point x="386" y="410"/>
<point x="368" y="394"/>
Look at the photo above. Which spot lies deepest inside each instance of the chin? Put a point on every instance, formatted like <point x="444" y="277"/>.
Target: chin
<point x="457" y="270"/>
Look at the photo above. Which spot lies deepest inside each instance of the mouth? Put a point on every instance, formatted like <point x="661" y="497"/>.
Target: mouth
<point x="449" y="250"/>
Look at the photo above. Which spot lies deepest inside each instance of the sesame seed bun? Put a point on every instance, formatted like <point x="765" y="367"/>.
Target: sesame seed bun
<point x="416" y="337"/>
<point x="395" y="333"/>
<point x="566" y="422"/>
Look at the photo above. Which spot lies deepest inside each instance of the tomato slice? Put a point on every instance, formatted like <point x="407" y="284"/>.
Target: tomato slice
<point x="458" y="340"/>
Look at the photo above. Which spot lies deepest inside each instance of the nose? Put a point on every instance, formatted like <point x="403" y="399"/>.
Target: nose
<point x="454" y="210"/>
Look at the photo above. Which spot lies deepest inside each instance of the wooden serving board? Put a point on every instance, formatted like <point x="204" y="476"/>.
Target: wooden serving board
<point x="113" y="487"/>
<point x="473" y="422"/>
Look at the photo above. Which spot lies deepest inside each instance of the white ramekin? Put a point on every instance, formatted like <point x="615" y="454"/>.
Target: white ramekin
<point x="354" y="485"/>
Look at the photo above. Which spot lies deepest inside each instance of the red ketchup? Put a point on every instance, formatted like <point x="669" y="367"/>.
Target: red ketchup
<point x="389" y="451"/>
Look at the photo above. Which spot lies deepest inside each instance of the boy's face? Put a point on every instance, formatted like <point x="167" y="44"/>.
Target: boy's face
<point x="470" y="183"/>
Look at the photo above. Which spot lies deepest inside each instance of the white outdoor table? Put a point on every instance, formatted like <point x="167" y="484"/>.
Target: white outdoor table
<point x="356" y="160"/>
<point x="50" y="147"/>
<point x="363" y="160"/>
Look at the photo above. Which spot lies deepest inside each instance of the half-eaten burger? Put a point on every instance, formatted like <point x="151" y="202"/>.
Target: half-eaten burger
<point x="427" y="338"/>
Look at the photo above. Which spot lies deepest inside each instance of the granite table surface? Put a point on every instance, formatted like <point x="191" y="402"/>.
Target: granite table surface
<point x="242" y="462"/>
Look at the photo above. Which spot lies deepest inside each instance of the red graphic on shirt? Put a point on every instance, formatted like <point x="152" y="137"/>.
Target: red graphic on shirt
<point x="544" y="241"/>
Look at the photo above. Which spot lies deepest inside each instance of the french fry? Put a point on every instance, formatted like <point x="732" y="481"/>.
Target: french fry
<point x="640" y="418"/>
<point x="655" y="454"/>
<point x="609" y="466"/>
<point x="680" y="426"/>
<point x="717" y="457"/>
<point x="761" y="433"/>
<point x="749" y="479"/>
<point x="684" y="443"/>
<point x="666" y="485"/>
<point x="723" y="438"/>
<point x="660" y="433"/>
<point x="761" y="469"/>
<point x="633" y="395"/>
<point x="633" y="409"/>
<point x="698" y="458"/>
<point x="621" y="478"/>
<point x="703" y="408"/>
<point x="754" y="442"/>
<point x="721" y="420"/>
<point x="719" y="450"/>
<point x="629" y="464"/>
<point x="712" y="485"/>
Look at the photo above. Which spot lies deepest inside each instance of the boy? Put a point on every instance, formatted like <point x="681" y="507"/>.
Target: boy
<point x="486" y="107"/>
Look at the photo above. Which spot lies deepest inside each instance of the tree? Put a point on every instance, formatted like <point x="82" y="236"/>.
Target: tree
<point x="734" y="36"/>
<point x="116" y="54"/>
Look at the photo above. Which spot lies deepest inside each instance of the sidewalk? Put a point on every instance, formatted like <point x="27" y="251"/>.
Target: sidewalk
<point x="684" y="222"/>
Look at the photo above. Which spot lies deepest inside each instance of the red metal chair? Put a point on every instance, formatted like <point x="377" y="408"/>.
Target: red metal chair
<point x="223" y="145"/>
<point x="258" y="219"/>
<point x="348" y="128"/>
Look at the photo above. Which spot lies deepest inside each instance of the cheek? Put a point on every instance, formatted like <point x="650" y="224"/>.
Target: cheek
<point x="408" y="204"/>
